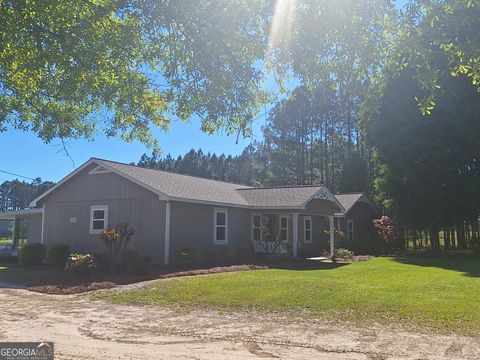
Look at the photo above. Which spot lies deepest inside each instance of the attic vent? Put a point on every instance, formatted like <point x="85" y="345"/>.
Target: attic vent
<point x="99" y="170"/>
<point x="324" y="194"/>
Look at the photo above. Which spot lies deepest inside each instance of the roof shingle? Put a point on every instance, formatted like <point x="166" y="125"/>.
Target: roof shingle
<point x="279" y="196"/>
<point x="348" y="200"/>
<point x="182" y="186"/>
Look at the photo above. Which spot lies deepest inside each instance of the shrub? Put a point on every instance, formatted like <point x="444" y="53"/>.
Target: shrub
<point x="343" y="253"/>
<point x="58" y="254"/>
<point x="80" y="265"/>
<point x="187" y="256"/>
<point x="32" y="254"/>
<point x="136" y="264"/>
<point x="116" y="241"/>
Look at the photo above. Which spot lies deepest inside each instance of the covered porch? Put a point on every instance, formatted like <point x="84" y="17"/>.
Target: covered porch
<point x="23" y="226"/>
<point x="299" y="233"/>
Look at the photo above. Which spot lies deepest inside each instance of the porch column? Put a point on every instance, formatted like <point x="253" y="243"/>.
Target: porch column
<point x="295" y="234"/>
<point x="14" y="232"/>
<point x="167" y="234"/>
<point x="42" y="240"/>
<point x="332" y="235"/>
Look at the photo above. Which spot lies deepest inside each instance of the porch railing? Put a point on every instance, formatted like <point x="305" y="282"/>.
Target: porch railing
<point x="270" y="247"/>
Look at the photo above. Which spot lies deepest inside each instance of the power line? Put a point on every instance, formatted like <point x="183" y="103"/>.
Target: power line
<point x="13" y="174"/>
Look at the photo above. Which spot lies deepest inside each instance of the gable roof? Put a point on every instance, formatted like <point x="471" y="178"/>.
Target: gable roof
<point x="349" y="200"/>
<point x="288" y="196"/>
<point x="178" y="186"/>
<point x="173" y="186"/>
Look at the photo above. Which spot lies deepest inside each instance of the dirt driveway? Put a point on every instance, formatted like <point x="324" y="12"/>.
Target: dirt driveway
<point x="85" y="329"/>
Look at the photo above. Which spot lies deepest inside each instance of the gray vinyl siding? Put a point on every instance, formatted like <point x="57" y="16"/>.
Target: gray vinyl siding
<point x="320" y="239"/>
<point x="126" y="201"/>
<point x="323" y="207"/>
<point x="192" y="226"/>
<point x="34" y="228"/>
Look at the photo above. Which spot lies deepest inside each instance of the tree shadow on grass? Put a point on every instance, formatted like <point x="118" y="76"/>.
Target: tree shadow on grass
<point x="300" y="264"/>
<point x="466" y="263"/>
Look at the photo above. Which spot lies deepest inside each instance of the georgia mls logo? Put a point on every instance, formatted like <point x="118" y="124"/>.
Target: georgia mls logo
<point x="26" y="351"/>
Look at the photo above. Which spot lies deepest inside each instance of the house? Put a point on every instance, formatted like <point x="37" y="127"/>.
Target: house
<point x="171" y="212"/>
<point x="356" y="222"/>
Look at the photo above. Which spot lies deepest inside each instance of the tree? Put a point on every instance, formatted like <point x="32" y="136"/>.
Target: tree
<point x="71" y="68"/>
<point x="354" y="174"/>
<point x="16" y="194"/>
<point x="429" y="164"/>
<point x="446" y="27"/>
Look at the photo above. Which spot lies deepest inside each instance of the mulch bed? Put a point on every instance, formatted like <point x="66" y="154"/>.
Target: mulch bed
<point x="69" y="288"/>
<point x="72" y="289"/>
<point x="215" y="270"/>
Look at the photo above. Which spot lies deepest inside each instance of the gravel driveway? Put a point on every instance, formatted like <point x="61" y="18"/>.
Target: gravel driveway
<point x="85" y="329"/>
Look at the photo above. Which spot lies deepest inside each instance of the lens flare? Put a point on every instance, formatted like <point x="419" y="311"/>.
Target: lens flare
<point x="281" y="30"/>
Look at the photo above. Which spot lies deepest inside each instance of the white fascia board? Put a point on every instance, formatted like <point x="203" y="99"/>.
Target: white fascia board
<point x="331" y="195"/>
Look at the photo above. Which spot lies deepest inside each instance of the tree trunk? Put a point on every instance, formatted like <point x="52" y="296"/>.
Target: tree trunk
<point x="435" y="239"/>
<point x="446" y="238"/>
<point x="461" y="236"/>
<point x="414" y="239"/>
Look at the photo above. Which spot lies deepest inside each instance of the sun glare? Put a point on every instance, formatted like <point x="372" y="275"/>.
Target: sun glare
<point x="282" y="23"/>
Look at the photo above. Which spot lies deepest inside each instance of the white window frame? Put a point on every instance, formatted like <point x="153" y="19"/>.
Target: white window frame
<point x="305" y="219"/>
<point x="253" y="227"/>
<point x="280" y="227"/>
<point x="350" y="221"/>
<point x="215" y="212"/>
<point x="105" y="218"/>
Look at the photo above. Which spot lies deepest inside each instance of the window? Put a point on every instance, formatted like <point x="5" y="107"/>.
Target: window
<point x="220" y="233"/>
<point x="307" y="226"/>
<point x="350" y="230"/>
<point x="256" y="227"/>
<point x="284" y="229"/>
<point x="98" y="218"/>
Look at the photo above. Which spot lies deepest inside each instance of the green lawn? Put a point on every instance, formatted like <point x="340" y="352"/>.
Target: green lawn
<point x="5" y="241"/>
<point x="440" y="292"/>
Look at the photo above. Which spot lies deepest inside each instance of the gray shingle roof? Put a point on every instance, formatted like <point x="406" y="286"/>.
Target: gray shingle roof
<point x="348" y="200"/>
<point x="189" y="188"/>
<point x="279" y="196"/>
<point x="194" y="188"/>
<point x="182" y="186"/>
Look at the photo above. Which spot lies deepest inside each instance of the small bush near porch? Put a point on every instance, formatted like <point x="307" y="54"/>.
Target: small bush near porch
<point x="441" y="292"/>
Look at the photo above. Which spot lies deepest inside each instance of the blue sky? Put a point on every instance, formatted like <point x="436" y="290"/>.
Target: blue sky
<point x="24" y="154"/>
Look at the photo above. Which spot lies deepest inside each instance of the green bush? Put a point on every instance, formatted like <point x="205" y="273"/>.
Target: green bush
<point x="58" y="254"/>
<point x="187" y="256"/>
<point x="80" y="265"/>
<point x="32" y="254"/>
<point x="343" y="253"/>
<point x="136" y="264"/>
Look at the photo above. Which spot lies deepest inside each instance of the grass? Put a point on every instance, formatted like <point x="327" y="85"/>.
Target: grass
<point x="440" y="292"/>
<point x="5" y="241"/>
